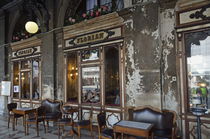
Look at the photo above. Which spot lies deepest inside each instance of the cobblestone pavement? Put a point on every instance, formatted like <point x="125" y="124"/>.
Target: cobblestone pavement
<point x="8" y="133"/>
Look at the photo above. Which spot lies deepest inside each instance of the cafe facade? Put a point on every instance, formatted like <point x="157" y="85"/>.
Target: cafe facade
<point x="118" y="55"/>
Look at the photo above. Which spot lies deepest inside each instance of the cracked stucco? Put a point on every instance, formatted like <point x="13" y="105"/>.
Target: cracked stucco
<point x="167" y="25"/>
<point x="171" y="100"/>
<point x="134" y="85"/>
<point x="129" y="24"/>
<point x="47" y="91"/>
<point x="167" y="37"/>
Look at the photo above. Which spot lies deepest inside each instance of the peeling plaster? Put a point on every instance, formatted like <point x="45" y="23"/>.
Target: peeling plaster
<point x="167" y="36"/>
<point x="167" y="27"/>
<point x="145" y="32"/>
<point x="129" y="24"/>
<point x="143" y="9"/>
<point x="48" y="91"/>
<point x="170" y="101"/>
<point x="155" y="34"/>
<point x="134" y="85"/>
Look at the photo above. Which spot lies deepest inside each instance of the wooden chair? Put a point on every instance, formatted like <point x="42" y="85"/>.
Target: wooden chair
<point x="103" y="131"/>
<point x="67" y="119"/>
<point x="12" y="115"/>
<point x="35" y="117"/>
<point x="53" y="110"/>
<point x="85" y="123"/>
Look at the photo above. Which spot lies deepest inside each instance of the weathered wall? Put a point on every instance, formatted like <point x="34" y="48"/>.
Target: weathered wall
<point x="142" y="56"/>
<point x="3" y="99"/>
<point x="47" y="68"/>
<point x="170" y="96"/>
<point x="151" y="56"/>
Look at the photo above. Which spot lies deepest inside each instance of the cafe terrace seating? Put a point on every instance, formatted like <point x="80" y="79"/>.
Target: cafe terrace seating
<point x="67" y="118"/>
<point x="53" y="111"/>
<point x="85" y="123"/>
<point x="35" y="117"/>
<point x="164" y="121"/>
<point x="103" y="131"/>
<point x="12" y="115"/>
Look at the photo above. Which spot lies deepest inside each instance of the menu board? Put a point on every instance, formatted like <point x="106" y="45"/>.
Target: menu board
<point x="5" y="88"/>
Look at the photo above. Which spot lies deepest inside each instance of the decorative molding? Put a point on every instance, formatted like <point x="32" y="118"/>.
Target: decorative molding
<point x="31" y="42"/>
<point x="98" y="23"/>
<point x="200" y="14"/>
<point x="193" y="16"/>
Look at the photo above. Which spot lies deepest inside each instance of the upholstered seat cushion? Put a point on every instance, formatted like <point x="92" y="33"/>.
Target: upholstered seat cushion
<point x="53" y="115"/>
<point x="83" y="123"/>
<point x="165" y="133"/>
<point x="107" y="133"/>
<point x="39" y="119"/>
<point x="64" y="121"/>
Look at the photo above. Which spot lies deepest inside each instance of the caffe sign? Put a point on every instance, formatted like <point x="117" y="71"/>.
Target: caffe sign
<point x="26" y="52"/>
<point x="94" y="37"/>
<point x="98" y="36"/>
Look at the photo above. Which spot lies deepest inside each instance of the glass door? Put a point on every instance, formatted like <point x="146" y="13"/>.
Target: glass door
<point x="25" y="86"/>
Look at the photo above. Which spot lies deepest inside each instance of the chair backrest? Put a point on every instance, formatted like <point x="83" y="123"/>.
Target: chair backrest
<point x="101" y="118"/>
<point x="162" y="120"/>
<point x="41" y="111"/>
<point x="51" y="106"/>
<point x="11" y="106"/>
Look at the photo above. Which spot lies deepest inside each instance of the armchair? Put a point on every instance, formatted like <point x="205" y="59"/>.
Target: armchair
<point x="164" y="121"/>
<point x="53" y="111"/>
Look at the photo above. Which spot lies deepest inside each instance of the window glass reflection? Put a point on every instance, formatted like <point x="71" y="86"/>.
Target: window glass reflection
<point x="198" y="68"/>
<point x="25" y="85"/>
<point x="89" y="55"/>
<point x="16" y="80"/>
<point x="36" y="92"/>
<point x="112" y="88"/>
<point x="72" y="78"/>
<point x="91" y="84"/>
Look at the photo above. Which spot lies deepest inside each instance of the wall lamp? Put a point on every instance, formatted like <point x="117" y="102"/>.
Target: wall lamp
<point x="73" y="73"/>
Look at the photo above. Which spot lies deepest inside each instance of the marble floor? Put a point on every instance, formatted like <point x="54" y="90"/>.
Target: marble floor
<point x="8" y="133"/>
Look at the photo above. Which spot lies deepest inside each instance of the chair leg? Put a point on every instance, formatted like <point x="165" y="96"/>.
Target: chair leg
<point x="8" y="121"/>
<point x="59" y="131"/>
<point x="13" y="123"/>
<point x="79" y="132"/>
<point x="44" y="126"/>
<point x="37" y="129"/>
<point x="27" y="129"/>
<point x="91" y="129"/>
<point x="23" y="121"/>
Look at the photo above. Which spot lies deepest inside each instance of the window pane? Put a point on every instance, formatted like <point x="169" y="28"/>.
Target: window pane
<point x="35" y="93"/>
<point x="25" y="85"/>
<point x="16" y="80"/>
<point x="89" y="55"/>
<point x="72" y="78"/>
<point x="25" y="64"/>
<point x="198" y="68"/>
<point x="112" y="91"/>
<point x="91" y="84"/>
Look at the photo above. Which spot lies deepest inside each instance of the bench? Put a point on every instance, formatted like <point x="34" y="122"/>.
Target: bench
<point x="164" y="120"/>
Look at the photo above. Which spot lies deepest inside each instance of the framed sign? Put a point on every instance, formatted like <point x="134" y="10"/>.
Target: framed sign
<point x="16" y="89"/>
<point x="5" y="88"/>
